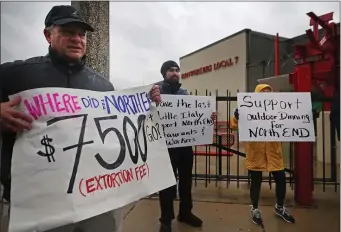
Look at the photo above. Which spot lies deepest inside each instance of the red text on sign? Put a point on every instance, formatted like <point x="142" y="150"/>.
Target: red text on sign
<point x="142" y="171"/>
<point x="209" y="68"/>
<point x="55" y="102"/>
<point x="113" y="180"/>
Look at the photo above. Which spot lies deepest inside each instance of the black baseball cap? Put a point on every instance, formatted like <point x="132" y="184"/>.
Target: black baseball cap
<point x="61" y="15"/>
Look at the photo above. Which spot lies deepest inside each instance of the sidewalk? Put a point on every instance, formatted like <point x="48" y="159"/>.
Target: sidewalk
<point x="223" y="217"/>
<point x="227" y="210"/>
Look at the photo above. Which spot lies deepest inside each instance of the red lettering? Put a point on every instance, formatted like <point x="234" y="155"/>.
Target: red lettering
<point x="57" y="102"/>
<point x="90" y="186"/>
<point x="236" y="58"/>
<point x="75" y="103"/>
<point x="216" y="65"/>
<point x="108" y="181"/>
<point x="66" y="101"/>
<point x="207" y="68"/>
<point x="224" y="63"/>
<point x="33" y="109"/>
<point x="70" y="103"/>
<point x="48" y="102"/>
<point x="98" y="179"/>
<point x="136" y="171"/>
<point x="51" y="103"/>
<point x="80" y="188"/>
<point x="113" y="176"/>
<point x="143" y="171"/>
<point x="140" y="171"/>
<point x="147" y="168"/>
<point x="229" y="62"/>
<point x="104" y="181"/>
<point x="129" y="174"/>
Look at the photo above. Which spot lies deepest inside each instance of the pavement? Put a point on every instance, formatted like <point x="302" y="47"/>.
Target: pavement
<point x="224" y="206"/>
<point x="226" y="209"/>
<point x="224" y="217"/>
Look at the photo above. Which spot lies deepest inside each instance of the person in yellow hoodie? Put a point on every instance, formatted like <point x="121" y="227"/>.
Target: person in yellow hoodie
<point x="261" y="157"/>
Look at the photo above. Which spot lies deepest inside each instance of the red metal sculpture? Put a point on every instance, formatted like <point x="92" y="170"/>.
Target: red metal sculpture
<point x="317" y="70"/>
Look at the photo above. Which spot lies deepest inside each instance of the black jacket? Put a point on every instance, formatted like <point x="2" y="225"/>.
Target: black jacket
<point x="176" y="89"/>
<point x="40" y="72"/>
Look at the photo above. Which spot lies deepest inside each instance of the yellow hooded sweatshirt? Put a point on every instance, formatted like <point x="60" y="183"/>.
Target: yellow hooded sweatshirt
<point x="262" y="156"/>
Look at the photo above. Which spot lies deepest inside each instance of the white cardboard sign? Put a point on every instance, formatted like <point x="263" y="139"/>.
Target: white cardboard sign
<point x="186" y="120"/>
<point x="285" y="117"/>
<point x="88" y="153"/>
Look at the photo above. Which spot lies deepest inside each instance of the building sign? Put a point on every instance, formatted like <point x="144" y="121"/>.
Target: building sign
<point x="209" y="68"/>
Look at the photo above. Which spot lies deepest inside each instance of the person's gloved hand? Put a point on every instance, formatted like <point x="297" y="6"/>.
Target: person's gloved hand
<point x="236" y="114"/>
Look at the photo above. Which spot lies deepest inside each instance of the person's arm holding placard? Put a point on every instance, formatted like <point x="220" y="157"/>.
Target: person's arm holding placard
<point x="11" y="120"/>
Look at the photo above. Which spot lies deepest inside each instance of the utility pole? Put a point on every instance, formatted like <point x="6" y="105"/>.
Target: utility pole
<point x="96" y="13"/>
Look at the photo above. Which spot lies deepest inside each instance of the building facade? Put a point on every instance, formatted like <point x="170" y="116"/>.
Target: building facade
<point x="235" y="64"/>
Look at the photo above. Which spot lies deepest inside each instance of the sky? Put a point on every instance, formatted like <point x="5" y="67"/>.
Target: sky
<point x="145" y="34"/>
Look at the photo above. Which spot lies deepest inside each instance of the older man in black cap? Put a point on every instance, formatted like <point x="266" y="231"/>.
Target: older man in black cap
<point x="182" y="162"/>
<point x="64" y="66"/>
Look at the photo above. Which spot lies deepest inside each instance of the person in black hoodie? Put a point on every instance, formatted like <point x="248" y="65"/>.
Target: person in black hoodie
<point x="182" y="162"/>
<point x="64" y="66"/>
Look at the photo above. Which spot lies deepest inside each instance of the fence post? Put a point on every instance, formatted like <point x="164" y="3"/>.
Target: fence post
<point x="220" y="160"/>
<point x="333" y="151"/>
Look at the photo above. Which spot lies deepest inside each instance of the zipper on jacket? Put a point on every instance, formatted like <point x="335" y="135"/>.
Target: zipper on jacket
<point x="69" y="73"/>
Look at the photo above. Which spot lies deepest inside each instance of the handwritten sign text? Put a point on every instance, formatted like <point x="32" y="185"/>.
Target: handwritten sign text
<point x="185" y="120"/>
<point x="275" y="117"/>
<point x="88" y="153"/>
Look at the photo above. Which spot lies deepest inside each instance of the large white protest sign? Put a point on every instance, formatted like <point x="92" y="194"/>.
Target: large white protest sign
<point x="275" y="117"/>
<point x="88" y="153"/>
<point x="185" y="120"/>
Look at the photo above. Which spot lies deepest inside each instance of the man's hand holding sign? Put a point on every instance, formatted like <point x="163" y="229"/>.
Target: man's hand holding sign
<point x="80" y="160"/>
<point x="12" y="119"/>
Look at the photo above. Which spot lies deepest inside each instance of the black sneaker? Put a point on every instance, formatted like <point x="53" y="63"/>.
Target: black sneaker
<point x="165" y="228"/>
<point x="284" y="214"/>
<point x="190" y="219"/>
<point x="256" y="216"/>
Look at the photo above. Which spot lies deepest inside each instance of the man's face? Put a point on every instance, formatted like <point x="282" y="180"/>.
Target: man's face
<point x="68" y="40"/>
<point x="173" y="75"/>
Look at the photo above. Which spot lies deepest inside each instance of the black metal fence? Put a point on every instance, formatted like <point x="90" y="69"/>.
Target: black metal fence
<point x="223" y="160"/>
